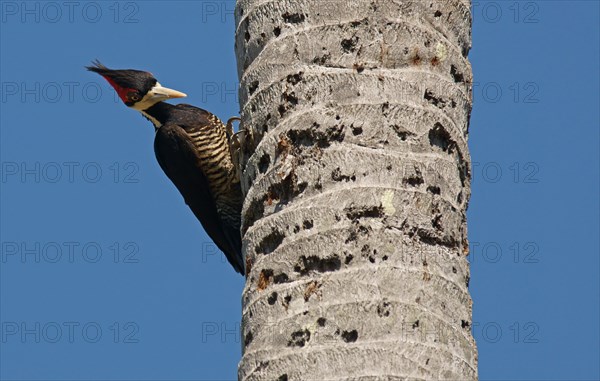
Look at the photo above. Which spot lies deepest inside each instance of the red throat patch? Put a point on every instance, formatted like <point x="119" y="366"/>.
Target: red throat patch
<point x="121" y="91"/>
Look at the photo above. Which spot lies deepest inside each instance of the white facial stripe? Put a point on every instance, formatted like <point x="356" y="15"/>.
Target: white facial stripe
<point x="154" y="121"/>
<point x="148" y="100"/>
<point x="155" y="95"/>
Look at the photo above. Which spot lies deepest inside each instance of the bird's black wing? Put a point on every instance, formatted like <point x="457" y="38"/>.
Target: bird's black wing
<point x="176" y="155"/>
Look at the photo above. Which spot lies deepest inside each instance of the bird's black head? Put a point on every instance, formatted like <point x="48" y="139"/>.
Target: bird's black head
<point x="137" y="89"/>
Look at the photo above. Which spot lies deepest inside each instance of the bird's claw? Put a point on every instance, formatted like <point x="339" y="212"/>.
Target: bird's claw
<point x="236" y="142"/>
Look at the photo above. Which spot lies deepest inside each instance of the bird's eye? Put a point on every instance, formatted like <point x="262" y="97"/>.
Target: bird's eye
<point x="133" y="96"/>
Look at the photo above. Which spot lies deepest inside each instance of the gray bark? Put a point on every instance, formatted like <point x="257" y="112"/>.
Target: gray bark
<point x="357" y="179"/>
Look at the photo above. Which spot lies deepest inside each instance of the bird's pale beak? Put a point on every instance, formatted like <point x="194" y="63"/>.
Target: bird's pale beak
<point x="161" y="93"/>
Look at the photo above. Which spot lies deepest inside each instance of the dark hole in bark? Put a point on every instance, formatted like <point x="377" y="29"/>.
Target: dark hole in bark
<point x="293" y="18"/>
<point x="336" y="175"/>
<point x="355" y="231"/>
<point x="313" y="136"/>
<point x="354" y="213"/>
<point x="253" y="86"/>
<point x="263" y="163"/>
<point x="283" y="377"/>
<point x="437" y="14"/>
<point x="295" y="78"/>
<point x="322" y="59"/>
<point x="270" y="242"/>
<point x="414" y="180"/>
<point x="385" y="107"/>
<point x="302" y="186"/>
<point x="281" y="110"/>
<point x="290" y="98"/>
<point x="431" y="98"/>
<point x="277" y="31"/>
<point x="415" y="324"/>
<point x="465" y="324"/>
<point x="349" y="45"/>
<point x="248" y="339"/>
<point x="272" y="298"/>
<point x="348" y="259"/>
<point x="299" y="338"/>
<point x="458" y="77"/>
<point x="433" y="189"/>
<point x="438" y="136"/>
<point x="314" y="263"/>
<point x="321" y="321"/>
<point x="307" y="224"/>
<point x="430" y="239"/>
<point x="350" y="336"/>
<point x="281" y="278"/>
<point x="247" y="36"/>
<point x="463" y="171"/>
<point x="356" y="130"/>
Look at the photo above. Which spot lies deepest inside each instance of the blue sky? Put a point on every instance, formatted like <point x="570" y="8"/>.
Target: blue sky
<point x="105" y="274"/>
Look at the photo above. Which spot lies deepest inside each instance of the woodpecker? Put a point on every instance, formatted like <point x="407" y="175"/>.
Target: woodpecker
<point x="192" y="148"/>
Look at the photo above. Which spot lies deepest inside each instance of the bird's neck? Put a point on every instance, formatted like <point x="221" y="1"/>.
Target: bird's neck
<point x="158" y="113"/>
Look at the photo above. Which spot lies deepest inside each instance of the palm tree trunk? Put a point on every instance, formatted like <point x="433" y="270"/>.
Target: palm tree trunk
<point x="357" y="180"/>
